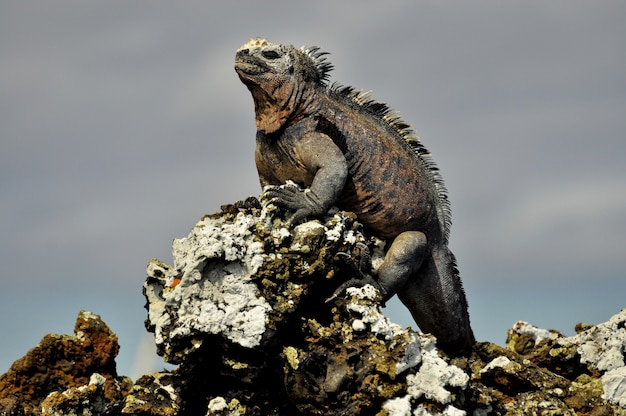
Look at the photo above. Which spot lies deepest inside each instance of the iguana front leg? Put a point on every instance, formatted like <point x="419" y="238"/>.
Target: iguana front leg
<point x="325" y="163"/>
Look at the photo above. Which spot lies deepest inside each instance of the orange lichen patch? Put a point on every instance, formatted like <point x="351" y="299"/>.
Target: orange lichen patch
<point x="175" y="282"/>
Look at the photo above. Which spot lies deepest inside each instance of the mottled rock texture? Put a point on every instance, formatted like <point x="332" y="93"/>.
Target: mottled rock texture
<point x="243" y="311"/>
<point x="82" y="364"/>
<point x="245" y="301"/>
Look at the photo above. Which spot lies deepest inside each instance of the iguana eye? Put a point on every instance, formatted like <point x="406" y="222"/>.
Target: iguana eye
<point x="271" y="54"/>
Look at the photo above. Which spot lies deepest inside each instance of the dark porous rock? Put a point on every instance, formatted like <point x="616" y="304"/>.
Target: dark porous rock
<point x="65" y="370"/>
<point x="244" y="312"/>
<point x="250" y="314"/>
<point x="153" y="395"/>
<point x="546" y="373"/>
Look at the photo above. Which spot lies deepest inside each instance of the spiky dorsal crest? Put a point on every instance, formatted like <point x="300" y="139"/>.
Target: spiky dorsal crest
<point x="364" y="101"/>
<point x="318" y="58"/>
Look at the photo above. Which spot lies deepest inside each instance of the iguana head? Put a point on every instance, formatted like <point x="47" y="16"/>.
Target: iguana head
<point x="281" y="79"/>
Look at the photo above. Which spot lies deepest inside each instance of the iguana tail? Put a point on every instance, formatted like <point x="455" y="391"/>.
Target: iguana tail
<point x="436" y="299"/>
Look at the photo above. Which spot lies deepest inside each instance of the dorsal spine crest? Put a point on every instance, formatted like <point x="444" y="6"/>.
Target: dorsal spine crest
<point x="319" y="61"/>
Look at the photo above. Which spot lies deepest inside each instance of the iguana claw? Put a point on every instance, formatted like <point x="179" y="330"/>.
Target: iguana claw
<point x="302" y="203"/>
<point x="364" y="277"/>
<point x="359" y="282"/>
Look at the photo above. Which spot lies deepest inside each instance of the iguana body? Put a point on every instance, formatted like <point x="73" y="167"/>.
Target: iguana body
<point x="355" y="154"/>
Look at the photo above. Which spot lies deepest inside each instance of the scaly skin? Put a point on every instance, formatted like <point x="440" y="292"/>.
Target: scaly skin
<point x="353" y="153"/>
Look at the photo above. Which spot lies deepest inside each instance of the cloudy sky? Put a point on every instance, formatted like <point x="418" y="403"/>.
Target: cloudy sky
<point x="122" y="123"/>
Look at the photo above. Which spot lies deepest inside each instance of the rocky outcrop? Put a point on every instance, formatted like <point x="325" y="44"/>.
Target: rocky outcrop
<point x="81" y="365"/>
<point x="244" y="312"/>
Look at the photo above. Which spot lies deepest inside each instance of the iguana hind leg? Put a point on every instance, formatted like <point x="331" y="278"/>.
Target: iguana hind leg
<point x="436" y="299"/>
<point x="426" y="280"/>
<point x="402" y="260"/>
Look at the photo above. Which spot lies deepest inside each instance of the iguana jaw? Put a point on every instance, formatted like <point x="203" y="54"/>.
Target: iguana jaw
<point x="246" y="67"/>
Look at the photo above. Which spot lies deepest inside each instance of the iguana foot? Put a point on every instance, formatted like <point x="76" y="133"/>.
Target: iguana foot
<point x="357" y="282"/>
<point x="360" y="269"/>
<point x="303" y="203"/>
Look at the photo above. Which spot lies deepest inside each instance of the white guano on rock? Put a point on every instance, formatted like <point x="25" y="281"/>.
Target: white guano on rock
<point x="209" y="289"/>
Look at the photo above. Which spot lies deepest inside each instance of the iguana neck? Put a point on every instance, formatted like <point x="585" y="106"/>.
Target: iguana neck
<point x="286" y="106"/>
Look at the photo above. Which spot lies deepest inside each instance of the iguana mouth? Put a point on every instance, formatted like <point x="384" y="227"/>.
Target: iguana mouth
<point x="249" y="67"/>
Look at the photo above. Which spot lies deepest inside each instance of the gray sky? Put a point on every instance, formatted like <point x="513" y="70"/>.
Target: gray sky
<point x="122" y="123"/>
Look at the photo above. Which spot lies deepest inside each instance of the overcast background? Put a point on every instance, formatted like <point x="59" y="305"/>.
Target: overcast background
<point x="122" y="123"/>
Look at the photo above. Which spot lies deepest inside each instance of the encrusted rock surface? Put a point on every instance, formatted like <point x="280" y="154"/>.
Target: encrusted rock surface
<point x="81" y="365"/>
<point x="243" y="311"/>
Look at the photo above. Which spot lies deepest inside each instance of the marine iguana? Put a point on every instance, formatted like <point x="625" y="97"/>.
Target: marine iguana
<point x="349" y="151"/>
